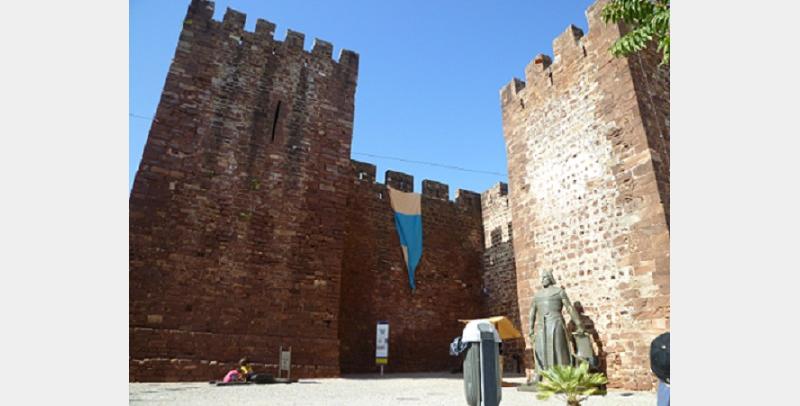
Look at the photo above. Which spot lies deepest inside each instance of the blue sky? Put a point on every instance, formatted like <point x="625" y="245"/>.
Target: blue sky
<point x="429" y="73"/>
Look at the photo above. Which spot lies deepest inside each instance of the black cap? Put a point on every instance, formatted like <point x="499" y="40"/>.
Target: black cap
<point x="659" y="357"/>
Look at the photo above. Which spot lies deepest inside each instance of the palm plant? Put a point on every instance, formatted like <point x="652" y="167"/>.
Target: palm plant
<point x="575" y="384"/>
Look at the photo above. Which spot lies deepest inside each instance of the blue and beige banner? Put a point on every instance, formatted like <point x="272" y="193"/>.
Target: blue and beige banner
<point x="408" y="221"/>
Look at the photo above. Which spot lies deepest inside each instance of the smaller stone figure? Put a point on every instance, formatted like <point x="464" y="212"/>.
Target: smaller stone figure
<point x="548" y="331"/>
<point x="587" y="344"/>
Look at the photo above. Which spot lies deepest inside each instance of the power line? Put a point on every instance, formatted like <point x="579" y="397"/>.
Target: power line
<point x="455" y="168"/>
<point x="142" y="117"/>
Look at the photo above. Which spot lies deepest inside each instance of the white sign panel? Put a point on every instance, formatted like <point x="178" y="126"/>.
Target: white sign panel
<point x="382" y="343"/>
<point x="286" y="360"/>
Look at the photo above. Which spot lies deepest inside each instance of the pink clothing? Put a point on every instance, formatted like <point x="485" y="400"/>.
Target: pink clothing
<point x="232" y="375"/>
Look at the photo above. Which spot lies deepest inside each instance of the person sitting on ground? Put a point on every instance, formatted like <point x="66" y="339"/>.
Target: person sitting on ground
<point x="245" y="370"/>
<point x="232" y="376"/>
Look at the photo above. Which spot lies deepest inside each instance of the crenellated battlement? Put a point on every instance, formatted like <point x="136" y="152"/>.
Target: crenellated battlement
<point x="264" y="28"/>
<point x="234" y="20"/>
<point x="495" y="194"/>
<point x="365" y="172"/>
<point x="435" y="190"/>
<point x="510" y="91"/>
<point x="399" y="180"/>
<point x="200" y="16"/>
<point x="294" y="41"/>
<point x="538" y="72"/>
<point x="543" y="73"/>
<point x="568" y="47"/>
<point x="496" y="214"/>
<point x="322" y="48"/>
<point x="468" y="199"/>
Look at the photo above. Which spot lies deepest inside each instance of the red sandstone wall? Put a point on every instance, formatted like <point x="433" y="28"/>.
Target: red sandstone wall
<point x="499" y="273"/>
<point x="375" y="281"/>
<point x="587" y="140"/>
<point x="236" y="239"/>
<point x="652" y="92"/>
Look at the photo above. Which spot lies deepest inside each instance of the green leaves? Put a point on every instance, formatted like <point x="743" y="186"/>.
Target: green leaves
<point x="648" y="20"/>
<point x="575" y="383"/>
<point x="663" y="46"/>
<point x="628" y="11"/>
<point x="631" y="42"/>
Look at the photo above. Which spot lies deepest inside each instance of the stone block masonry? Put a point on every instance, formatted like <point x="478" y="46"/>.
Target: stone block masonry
<point x="375" y="280"/>
<point x="236" y="237"/>
<point x="499" y="276"/>
<point x="251" y="228"/>
<point x="587" y="139"/>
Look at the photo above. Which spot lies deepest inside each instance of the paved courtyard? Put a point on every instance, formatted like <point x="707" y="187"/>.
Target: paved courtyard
<point x="355" y="390"/>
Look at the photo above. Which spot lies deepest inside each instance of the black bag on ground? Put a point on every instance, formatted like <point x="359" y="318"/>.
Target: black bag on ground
<point x="659" y="357"/>
<point x="261" y="378"/>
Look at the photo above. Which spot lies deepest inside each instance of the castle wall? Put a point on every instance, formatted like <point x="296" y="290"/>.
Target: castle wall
<point x="250" y="227"/>
<point x="375" y="281"/>
<point x="499" y="274"/>
<point x="587" y="140"/>
<point x="652" y="93"/>
<point x="236" y="242"/>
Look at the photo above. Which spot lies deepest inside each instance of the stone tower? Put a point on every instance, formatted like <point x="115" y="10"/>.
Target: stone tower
<point x="587" y="139"/>
<point x="235" y="239"/>
<point x="498" y="273"/>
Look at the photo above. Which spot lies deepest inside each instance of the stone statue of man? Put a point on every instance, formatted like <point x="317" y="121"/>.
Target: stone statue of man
<point x="548" y="332"/>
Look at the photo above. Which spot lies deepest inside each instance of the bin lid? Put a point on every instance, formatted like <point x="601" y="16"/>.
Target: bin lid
<point x="505" y="328"/>
<point x="472" y="334"/>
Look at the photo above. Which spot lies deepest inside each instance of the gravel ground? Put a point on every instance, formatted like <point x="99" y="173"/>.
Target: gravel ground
<point x="354" y="390"/>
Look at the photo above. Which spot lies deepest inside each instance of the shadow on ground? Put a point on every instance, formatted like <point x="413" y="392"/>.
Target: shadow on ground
<point x="417" y="375"/>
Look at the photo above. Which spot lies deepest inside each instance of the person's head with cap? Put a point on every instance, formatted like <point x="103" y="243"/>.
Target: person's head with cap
<point x="659" y="357"/>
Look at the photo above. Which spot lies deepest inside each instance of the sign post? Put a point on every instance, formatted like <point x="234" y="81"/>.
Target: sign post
<point x="285" y="362"/>
<point x="382" y="344"/>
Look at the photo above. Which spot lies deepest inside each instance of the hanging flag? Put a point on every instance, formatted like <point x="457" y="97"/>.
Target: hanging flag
<point x="408" y="221"/>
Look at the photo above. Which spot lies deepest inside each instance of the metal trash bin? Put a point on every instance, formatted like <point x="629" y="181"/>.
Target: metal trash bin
<point x="482" y="364"/>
